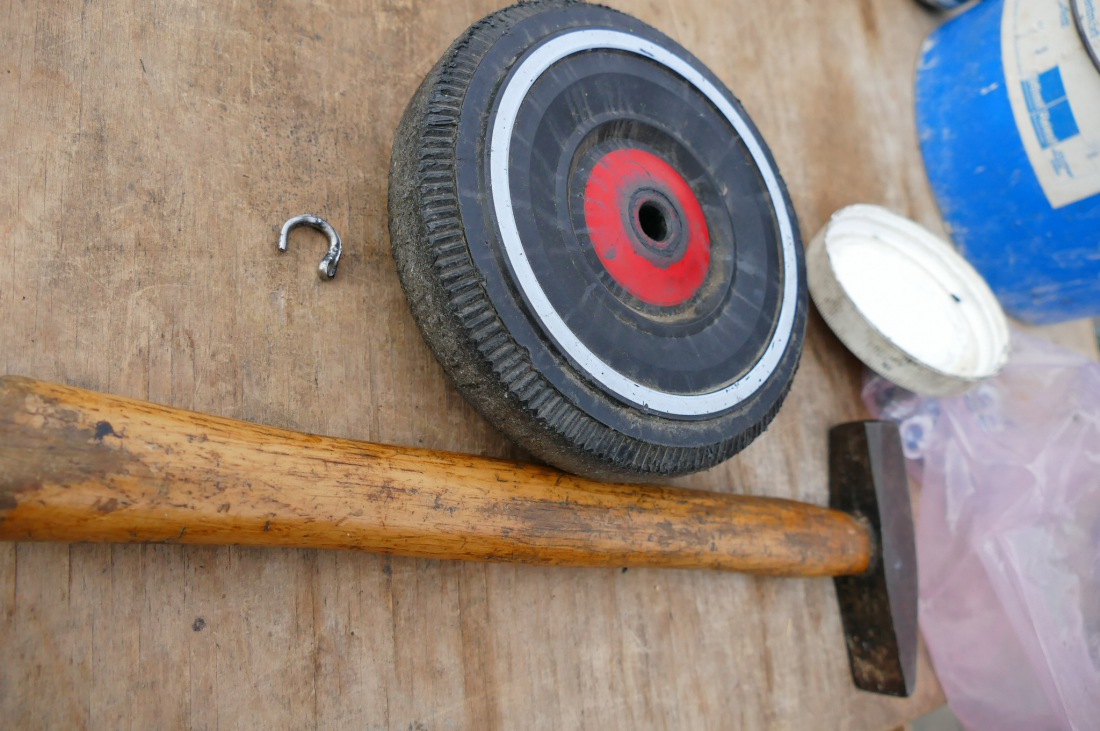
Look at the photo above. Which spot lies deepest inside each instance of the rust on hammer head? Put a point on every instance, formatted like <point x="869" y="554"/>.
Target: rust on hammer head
<point x="878" y="608"/>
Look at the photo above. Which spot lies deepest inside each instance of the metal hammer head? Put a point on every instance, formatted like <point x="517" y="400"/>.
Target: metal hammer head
<point x="878" y="608"/>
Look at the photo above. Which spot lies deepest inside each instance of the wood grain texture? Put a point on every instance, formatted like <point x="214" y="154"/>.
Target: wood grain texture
<point x="76" y="465"/>
<point x="151" y="151"/>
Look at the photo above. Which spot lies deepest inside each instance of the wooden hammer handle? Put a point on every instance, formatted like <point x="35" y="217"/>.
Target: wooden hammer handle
<point x="82" y="466"/>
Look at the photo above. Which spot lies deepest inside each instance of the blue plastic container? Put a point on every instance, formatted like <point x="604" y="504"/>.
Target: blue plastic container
<point x="1008" y="111"/>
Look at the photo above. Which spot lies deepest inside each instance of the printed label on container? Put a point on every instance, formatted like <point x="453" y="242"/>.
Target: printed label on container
<point x="1054" y="88"/>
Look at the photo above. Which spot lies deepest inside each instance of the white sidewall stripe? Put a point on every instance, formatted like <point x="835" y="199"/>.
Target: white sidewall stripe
<point x="511" y="99"/>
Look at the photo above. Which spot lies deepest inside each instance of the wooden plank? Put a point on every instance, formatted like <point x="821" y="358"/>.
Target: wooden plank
<point x="150" y="152"/>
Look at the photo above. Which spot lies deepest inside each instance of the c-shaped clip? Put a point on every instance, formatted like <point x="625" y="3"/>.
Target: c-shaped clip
<point x="327" y="268"/>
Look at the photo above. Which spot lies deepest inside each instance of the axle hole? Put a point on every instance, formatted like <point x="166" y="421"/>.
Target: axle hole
<point x="653" y="221"/>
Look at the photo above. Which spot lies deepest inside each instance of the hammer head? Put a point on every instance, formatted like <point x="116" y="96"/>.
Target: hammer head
<point x="879" y="608"/>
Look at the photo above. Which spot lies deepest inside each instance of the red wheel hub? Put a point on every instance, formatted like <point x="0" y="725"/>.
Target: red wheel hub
<point x="647" y="227"/>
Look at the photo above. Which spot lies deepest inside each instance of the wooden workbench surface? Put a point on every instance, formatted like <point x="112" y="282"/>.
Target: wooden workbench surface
<point x="149" y="153"/>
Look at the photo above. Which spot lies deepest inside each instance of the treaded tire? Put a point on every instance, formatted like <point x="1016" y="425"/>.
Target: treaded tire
<point x="477" y="316"/>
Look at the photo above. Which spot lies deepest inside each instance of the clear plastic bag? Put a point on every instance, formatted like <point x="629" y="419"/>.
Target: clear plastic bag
<point x="1008" y="538"/>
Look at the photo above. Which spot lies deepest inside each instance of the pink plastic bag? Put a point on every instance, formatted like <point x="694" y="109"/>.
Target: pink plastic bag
<point x="1008" y="538"/>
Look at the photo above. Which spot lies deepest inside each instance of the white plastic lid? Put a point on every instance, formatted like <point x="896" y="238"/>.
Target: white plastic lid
<point x="905" y="302"/>
<point x="1087" y="15"/>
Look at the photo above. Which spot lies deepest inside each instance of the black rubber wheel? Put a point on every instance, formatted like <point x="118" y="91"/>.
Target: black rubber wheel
<point x="596" y="243"/>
